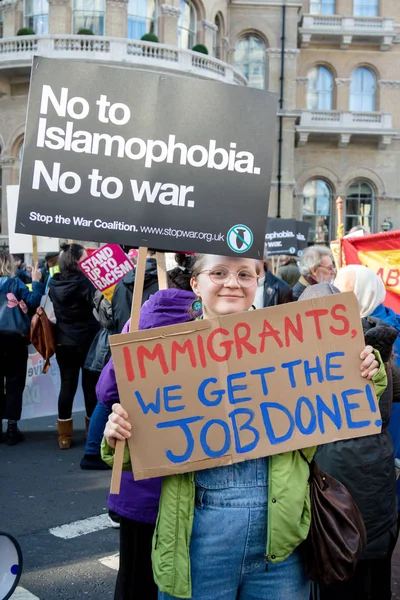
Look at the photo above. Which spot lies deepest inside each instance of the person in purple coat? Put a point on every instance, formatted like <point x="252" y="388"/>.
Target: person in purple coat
<point x="137" y="502"/>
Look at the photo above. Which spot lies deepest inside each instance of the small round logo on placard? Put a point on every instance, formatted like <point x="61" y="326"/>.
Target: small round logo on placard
<point x="240" y="238"/>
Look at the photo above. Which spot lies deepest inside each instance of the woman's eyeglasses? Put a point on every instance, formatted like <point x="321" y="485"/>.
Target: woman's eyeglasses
<point x="222" y="275"/>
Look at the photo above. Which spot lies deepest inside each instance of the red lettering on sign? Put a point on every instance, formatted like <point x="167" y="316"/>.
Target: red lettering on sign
<point x="269" y="331"/>
<point x="294" y="329"/>
<point x="130" y="373"/>
<point x="242" y="341"/>
<point x="316" y="313"/>
<point x="202" y="354"/>
<point x="182" y="348"/>
<point x="337" y="317"/>
<point x="157" y="354"/>
<point x="227" y="345"/>
<point x="380" y="273"/>
<point x="392" y="278"/>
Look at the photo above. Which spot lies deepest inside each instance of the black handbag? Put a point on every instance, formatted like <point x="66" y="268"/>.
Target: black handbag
<point x="337" y="536"/>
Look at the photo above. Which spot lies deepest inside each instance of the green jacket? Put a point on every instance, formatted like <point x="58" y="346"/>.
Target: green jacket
<point x="289" y="512"/>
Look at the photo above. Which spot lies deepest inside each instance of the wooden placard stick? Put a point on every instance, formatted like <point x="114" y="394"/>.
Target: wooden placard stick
<point x="135" y="314"/>
<point x="34" y="250"/>
<point x="161" y="271"/>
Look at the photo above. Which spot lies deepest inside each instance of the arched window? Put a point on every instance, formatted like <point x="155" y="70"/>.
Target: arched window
<point x="1" y="23"/>
<point x="218" y="36"/>
<point x="322" y="7"/>
<point x="187" y="25"/>
<point x="363" y="90"/>
<point x="37" y="16"/>
<point x="366" y="8"/>
<point x="317" y="200"/>
<point x="250" y="60"/>
<point x="319" y="89"/>
<point x="142" y="18"/>
<point x="20" y="156"/>
<point x="89" y="14"/>
<point x="359" y="205"/>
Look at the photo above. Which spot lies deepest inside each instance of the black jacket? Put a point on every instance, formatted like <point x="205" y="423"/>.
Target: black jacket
<point x="72" y="296"/>
<point x="366" y="466"/>
<point x="276" y="291"/>
<point x="123" y="294"/>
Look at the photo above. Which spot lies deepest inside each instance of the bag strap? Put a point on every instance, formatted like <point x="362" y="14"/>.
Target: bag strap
<point x="46" y="291"/>
<point x="303" y="457"/>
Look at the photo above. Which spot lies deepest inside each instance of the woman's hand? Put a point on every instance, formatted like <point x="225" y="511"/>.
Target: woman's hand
<point x="117" y="427"/>
<point x="369" y="366"/>
<point x="36" y="273"/>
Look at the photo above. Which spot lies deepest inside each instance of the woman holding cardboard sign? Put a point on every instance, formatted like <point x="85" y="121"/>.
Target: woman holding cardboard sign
<point x="232" y="532"/>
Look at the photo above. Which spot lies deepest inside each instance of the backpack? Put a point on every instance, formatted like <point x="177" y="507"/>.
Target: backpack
<point x="14" y="318"/>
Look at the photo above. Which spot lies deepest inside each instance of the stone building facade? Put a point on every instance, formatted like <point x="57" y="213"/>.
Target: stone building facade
<point x="333" y="63"/>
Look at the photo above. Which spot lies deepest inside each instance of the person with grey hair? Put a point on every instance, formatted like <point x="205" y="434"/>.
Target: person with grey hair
<point x="316" y="266"/>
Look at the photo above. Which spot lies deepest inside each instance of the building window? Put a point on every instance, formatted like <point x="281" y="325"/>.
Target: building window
<point x="1" y="23"/>
<point x="322" y="7"/>
<point x="250" y="60"/>
<point x="366" y="8"/>
<point x="37" y="16"/>
<point x="319" y="89"/>
<point x="142" y="18"/>
<point x="359" y="206"/>
<point x="317" y="200"/>
<point x="187" y="25"/>
<point x="362" y="90"/>
<point x="89" y="14"/>
<point x="1" y="187"/>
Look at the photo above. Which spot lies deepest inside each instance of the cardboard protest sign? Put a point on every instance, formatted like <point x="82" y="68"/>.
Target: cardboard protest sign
<point x="130" y="157"/>
<point x="286" y="236"/>
<point x="219" y="391"/>
<point x="105" y="267"/>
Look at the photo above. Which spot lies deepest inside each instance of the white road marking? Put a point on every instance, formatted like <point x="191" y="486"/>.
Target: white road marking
<point x="77" y="528"/>
<point x="23" y="594"/>
<point x="111" y="561"/>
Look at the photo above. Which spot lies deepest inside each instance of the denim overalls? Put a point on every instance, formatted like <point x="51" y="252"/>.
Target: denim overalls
<point x="229" y="539"/>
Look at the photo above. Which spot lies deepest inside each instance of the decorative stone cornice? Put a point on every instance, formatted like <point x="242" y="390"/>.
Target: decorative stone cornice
<point x="117" y="3"/>
<point x="171" y="11"/>
<point x="6" y="161"/>
<point x="389" y="83"/>
<point x="342" y="81"/>
<point x="276" y="52"/>
<point x="302" y="80"/>
<point x="8" y="4"/>
<point x="209" y="25"/>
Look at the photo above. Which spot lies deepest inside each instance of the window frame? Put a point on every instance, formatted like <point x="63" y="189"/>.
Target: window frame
<point x="94" y="13"/>
<point x="364" y="4"/>
<point x="363" y="96"/>
<point x="29" y="17"/>
<point x="191" y="32"/>
<point x="151" y="23"/>
<point x="323" y="3"/>
<point x="1" y="26"/>
<point x="314" y="215"/>
<point x="245" y="66"/>
<point x="369" y="219"/>
<point x="319" y="93"/>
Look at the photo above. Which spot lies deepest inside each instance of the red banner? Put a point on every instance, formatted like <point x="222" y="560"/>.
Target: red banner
<point x="381" y="253"/>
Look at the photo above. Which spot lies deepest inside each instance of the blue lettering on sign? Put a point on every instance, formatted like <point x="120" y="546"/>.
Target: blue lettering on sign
<point x="334" y="415"/>
<point x="202" y="389"/>
<point x="371" y="402"/>
<point x="203" y="439"/>
<point x="151" y="406"/>
<point x="329" y="366"/>
<point x="265" y="408"/>
<point x="317" y="370"/>
<point x="232" y="389"/>
<point x="349" y="407"/>
<point x="244" y="427"/>
<point x="168" y="398"/>
<point x="262" y="373"/>
<point x="184" y="425"/>
<point x="290" y="367"/>
<point x="310" y="428"/>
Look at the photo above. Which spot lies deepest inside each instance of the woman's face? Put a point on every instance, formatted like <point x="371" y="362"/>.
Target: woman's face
<point x="235" y="294"/>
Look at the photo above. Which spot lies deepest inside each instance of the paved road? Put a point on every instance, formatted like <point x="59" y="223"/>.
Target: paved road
<point x="43" y="488"/>
<point x="45" y="498"/>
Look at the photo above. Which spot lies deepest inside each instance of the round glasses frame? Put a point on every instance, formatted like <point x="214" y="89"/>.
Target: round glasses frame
<point x="246" y="282"/>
